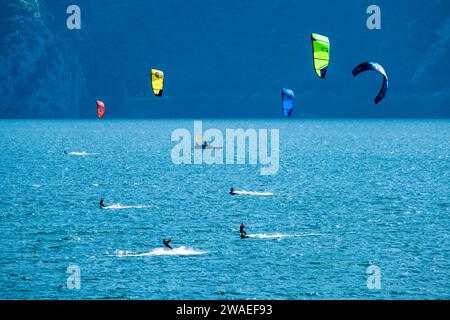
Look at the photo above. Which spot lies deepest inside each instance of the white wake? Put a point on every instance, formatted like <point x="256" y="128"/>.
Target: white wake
<point x="81" y="154"/>
<point x="181" y="251"/>
<point x="252" y="193"/>
<point x="117" y="206"/>
<point x="282" y="235"/>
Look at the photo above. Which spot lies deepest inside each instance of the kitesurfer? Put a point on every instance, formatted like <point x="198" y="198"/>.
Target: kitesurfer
<point x="241" y="230"/>
<point x="166" y="243"/>
<point x="65" y="152"/>
<point x="102" y="205"/>
<point x="232" y="191"/>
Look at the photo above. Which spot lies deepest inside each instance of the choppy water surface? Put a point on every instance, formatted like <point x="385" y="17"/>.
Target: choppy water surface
<point x="348" y="194"/>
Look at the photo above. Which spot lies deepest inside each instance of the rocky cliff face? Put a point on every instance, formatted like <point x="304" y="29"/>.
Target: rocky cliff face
<point x="39" y="74"/>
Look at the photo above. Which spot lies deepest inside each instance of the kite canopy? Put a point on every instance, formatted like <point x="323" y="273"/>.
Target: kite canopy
<point x="287" y="101"/>
<point x="100" y="109"/>
<point x="157" y="82"/>
<point x="321" y="53"/>
<point x="366" y="66"/>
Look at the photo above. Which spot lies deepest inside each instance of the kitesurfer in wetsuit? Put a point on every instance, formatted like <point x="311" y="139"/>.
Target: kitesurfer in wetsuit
<point x="102" y="205"/>
<point x="232" y="191"/>
<point x="166" y="243"/>
<point x="241" y="230"/>
<point x="65" y="152"/>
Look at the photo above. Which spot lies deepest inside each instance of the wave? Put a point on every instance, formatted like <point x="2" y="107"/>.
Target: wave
<point x="117" y="206"/>
<point x="252" y="193"/>
<point x="282" y="235"/>
<point x="181" y="251"/>
<point x="81" y="154"/>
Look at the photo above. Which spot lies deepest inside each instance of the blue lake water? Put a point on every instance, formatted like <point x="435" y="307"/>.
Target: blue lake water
<point x="349" y="194"/>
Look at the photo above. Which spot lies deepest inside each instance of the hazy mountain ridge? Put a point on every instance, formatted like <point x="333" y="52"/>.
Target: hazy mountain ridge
<point x="222" y="59"/>
<point x="39" y="77"/>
